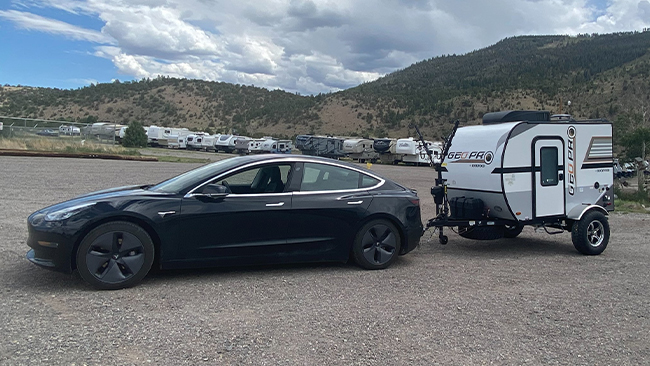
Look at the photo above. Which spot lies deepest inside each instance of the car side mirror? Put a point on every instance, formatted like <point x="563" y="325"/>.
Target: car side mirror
<point x="217" y="189"/>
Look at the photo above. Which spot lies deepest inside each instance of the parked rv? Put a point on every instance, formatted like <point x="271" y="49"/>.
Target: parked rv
<point x="255" y="145"/>
<point x="69" y="130"/>
<point x="194" y="141"/>
<point x="242" y="144"/>
<point x="327" y="146"/>
<point x="360" y="149"/>
<point x="226" y="143"/>
<point x="521" y="168"/>
<point x="386" y="149"/>
<point x="414" y="152"/>
<point x="274" y="146"/>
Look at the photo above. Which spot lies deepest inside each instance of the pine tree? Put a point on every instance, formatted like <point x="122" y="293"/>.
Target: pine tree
<point x="134" y="136"/>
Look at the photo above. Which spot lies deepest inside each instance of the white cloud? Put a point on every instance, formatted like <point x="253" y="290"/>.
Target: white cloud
<point x="31" y="21"/>
<point x="313" y="46"/>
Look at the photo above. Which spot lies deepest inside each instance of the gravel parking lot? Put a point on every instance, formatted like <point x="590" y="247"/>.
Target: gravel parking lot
<point x="530" y="300"/>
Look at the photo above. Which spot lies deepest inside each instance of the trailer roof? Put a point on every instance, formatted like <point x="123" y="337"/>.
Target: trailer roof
<point x="516" y="116"/>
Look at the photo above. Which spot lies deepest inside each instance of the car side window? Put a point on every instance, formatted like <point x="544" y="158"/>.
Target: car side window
<point x="323" y="177"/>
<point x="264" y="179"/>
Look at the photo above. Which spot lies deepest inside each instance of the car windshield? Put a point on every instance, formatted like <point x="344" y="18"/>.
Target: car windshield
<point x="189" y="179"/>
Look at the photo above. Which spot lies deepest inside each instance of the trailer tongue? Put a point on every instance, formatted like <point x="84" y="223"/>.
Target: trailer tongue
<point x="522" y="168"/>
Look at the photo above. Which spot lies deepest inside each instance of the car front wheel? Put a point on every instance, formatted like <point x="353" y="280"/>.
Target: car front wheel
<point x="115" y="255"/>
<point x="376" y="245"/>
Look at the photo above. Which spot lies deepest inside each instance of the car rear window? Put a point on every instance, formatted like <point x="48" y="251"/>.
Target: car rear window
<point x="323" y="177"/>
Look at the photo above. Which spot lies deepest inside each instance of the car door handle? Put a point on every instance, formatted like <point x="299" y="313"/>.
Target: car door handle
<point x="279" y="204"/>
<point x="355" y="203"/>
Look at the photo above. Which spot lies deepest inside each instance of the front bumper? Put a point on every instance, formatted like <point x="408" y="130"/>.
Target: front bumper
<point x="51" y="247"/>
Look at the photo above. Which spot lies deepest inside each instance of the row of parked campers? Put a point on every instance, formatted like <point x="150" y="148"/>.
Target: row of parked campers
<point x="388" y="151"/>
<point x="182" y="138"/>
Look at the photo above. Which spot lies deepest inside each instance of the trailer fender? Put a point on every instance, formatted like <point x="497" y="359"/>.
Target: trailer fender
<point x="579" y="211"/>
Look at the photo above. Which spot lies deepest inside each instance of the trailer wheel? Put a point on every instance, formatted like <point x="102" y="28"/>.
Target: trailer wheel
<point x="376" y="245"/>
<point x="481" y="232"/>
<point x="590" y="235"/>
<point x="512" y="231"/>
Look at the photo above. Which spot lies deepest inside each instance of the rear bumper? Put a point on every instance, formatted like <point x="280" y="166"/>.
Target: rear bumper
<point x="412" y="235"/>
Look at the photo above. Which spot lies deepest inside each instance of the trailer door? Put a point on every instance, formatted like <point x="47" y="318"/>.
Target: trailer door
<point x="548" y="177"/>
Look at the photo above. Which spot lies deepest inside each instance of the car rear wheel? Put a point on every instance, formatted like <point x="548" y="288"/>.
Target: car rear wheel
<point x="115" y="255"/>
<point x="376" y="245"/>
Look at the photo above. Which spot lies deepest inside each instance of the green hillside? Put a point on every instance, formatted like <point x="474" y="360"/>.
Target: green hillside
<point x="604" y="76"/>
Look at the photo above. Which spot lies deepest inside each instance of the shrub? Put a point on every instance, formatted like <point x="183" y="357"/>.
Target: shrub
<point x="134" y="136"/>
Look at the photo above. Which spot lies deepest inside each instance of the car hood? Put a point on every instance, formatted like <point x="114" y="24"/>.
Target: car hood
<point x="103" y="196"/>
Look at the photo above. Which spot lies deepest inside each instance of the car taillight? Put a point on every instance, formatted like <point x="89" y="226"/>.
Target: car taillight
<point x="415" y="201"/>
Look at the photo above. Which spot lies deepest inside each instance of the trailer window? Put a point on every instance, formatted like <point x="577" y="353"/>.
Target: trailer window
<point x="549" y="166"/>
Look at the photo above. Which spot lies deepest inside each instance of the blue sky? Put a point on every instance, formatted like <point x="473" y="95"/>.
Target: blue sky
<point x="305" y="46"/>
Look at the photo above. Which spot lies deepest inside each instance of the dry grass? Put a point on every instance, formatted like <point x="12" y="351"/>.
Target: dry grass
<point x="53" y="144"/>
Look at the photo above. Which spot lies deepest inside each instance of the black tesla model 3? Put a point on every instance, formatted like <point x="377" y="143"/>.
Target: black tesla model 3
<point x="262" y="209"/>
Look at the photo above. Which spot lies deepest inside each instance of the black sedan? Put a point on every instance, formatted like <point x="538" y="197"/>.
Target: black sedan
<point x="262" y="209"/>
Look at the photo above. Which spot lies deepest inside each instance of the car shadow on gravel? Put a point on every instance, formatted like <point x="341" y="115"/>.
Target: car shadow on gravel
<point x="173" y="275"/>
<point x="522" y="246"/>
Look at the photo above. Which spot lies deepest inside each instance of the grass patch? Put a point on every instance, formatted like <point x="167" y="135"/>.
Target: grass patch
<point x="64" y="145"/>
<point x="630" y="206"/>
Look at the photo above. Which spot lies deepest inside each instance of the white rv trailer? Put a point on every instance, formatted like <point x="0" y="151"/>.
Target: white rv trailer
<point x="208" y="143"/>
<point x="172" y="134"/>
<point x="387" y="150"/>
<point x="194" y="140"/>
<point x="226" y="143"/>
<point x="520" y="168"/>
<point x="154" y="133"/>
<point x="360" y="149"/>
<point x="241" y="144"/>
<point x="177" y="142"/>
<point x="274" y="146"/>
<point x="255" y="145"/>
<point x="414" y="152"/>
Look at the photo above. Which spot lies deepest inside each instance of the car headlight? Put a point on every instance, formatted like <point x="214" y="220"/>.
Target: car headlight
<point x="67" y="212"/>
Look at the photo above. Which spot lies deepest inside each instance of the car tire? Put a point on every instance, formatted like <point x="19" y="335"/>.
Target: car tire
<point x="115" y="255"/>
<point x="512" y="231"/>
<point x="590" y="235"/>
<point x="376" y="245"/>
<point x="481" y="232"/>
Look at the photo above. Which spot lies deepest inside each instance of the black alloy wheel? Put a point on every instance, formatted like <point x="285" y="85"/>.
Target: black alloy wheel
<point x="590" y="235"/>
<point x="376" y="245"/>
<point x="115" y="255"/>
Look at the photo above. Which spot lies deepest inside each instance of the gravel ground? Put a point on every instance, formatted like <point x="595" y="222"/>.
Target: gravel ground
<point x="531" y="300"/>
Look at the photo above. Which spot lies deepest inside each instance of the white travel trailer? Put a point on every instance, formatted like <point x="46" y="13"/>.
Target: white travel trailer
<point x="208" y="143"/>
<point x="360" y="149"/>
<point x="387" y="150"/>
<point x="194" y="141"/>
<point x="255" y="145"/>
<point x="177" y="142"/>
<point x="69" y="130"/>
<point x="521" y="168"/>
<point x="154" y="134"/>
<point x="413" y="151"/>
<point x="226" y="143"/>
<point x="273" y="146"/>
<point x="241" y="144"/>
<point x="171" y="135"/>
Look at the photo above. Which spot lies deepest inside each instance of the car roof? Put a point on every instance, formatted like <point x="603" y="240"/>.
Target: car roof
<point x="260" y="158"/>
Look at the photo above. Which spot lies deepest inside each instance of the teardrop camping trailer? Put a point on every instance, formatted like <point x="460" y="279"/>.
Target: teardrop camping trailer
<point x="522" y="168"/>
